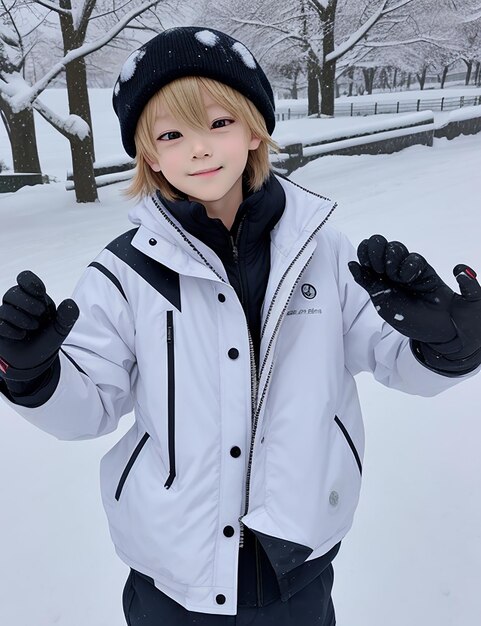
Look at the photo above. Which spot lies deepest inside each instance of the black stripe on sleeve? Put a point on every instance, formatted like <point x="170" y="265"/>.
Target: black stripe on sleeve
<point x="109" y="275"/>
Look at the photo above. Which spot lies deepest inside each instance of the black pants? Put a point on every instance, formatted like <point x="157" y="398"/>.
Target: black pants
<point x="145" y="605"/>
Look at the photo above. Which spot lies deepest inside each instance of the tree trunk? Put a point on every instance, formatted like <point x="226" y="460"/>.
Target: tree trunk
<point x="422" y="77"/>
<point x="469" y="68"/>
<point x="369" y="73"/>
<point x="312" y="85"/>
<point x="408" y="84"/>
<point x="444" y="75"/>
<point x="477" y="72"/>
<point x="23" y="140"/>
<point x="82" y="150"/>
<point x="328" y="75"/>
<point x="394" y="80"/>
<point x="350" y="74"/>
<point x="294" y="88"/>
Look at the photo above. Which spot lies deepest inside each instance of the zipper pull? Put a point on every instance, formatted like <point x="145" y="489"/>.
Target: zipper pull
<point x="235" y="252"/>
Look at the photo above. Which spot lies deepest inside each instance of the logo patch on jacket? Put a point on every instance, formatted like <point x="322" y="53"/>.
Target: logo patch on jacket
<point x="308" y="291"/>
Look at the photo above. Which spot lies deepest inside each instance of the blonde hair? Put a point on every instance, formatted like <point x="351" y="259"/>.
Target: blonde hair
<point x="184" y="96"/>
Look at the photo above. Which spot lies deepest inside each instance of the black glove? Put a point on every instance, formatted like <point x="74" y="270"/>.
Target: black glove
<point x="32" y="329"/>
<point x="445" y="327"/>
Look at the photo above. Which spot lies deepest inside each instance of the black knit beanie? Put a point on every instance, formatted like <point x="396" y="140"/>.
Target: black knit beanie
<point x="187" y="51"/>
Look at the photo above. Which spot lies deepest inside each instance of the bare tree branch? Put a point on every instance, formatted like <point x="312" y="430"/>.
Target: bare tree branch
<point x="362" y="31"/>
<point x="320" y="9"/>
<point x="23" y="100"/>
<point x="114" y="10"/>
<point x="53" y="7"/>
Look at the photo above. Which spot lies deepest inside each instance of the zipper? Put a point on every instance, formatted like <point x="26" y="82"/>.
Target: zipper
<point x="258" y="406"/>
<point x="128" y="467"/>
<point x="254" y="374"/>
<point x="170" y="397"/>
<point x="235" y="254"/>
<point x="300" y="252"/>
<point x="350" y="442"/>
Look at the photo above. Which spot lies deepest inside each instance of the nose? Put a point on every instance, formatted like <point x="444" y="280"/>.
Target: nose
<point x="200" y="147"/>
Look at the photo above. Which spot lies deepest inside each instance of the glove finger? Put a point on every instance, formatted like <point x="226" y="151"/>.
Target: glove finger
<point x="412" y="267"/>
<point x="7" y="331"/>
<point x="362" y="253"/>
<point x="469" y="286"/>
<point x="370" y="281"/>
<point x="376" y="248"/>
<point x="67" y="315"/>
<point x="32" y="284"/>
<point x="396" y="253"/>
<point x="17" y="317"/>
<point x="20" y="299"/>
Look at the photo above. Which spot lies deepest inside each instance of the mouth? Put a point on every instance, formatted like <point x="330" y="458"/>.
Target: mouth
<point x="208" y="172"/>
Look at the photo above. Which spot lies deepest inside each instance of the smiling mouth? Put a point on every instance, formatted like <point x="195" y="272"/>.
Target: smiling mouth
<point x="210" y="171"/>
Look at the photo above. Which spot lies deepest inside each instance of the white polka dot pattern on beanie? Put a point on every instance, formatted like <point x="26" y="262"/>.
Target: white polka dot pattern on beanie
<point x="129" y="67"/>
<point x="207" y="37"/>
<point x="245" y="55"/>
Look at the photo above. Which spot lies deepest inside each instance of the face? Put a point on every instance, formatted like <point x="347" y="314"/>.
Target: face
<point x="183" y="153"/>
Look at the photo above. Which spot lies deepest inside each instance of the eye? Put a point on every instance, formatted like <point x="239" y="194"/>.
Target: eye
<point x="222" y="122"/>
<point x="168" y="136"/>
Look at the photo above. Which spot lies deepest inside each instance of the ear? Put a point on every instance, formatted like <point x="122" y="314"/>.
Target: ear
<point x="153" y="165"/>
<point x="254" y="143"/>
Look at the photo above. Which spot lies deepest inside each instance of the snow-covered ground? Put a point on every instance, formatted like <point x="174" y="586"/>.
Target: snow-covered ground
<point x="413" y="556"/>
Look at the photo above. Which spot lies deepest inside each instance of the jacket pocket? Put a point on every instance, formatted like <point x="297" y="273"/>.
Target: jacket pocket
<point x="350" y="442"/>
<point x="128" y="467"/>
<point x="170" y="397"/>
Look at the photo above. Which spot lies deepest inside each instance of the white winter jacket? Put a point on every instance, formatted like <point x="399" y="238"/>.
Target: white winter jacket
<point x="216" y="443"/>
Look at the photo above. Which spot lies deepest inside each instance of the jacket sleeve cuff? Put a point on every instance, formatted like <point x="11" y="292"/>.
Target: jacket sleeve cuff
<point x="33" y="393"/>
<point x="438" y="363"/>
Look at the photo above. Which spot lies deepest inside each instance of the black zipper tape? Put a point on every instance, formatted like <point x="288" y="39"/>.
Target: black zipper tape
<point x="171" y="397"/>
<point x="350" y="442"/>
<point x="128" y="467"/>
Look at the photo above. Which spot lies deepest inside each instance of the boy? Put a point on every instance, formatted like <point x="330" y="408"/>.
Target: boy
<point x="228" y="320"/>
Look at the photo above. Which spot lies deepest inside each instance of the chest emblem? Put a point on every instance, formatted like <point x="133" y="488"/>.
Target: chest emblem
<point x="308" y="291"/>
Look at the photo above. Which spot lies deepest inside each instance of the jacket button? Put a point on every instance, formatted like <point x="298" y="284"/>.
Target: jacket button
<point x="235" y="451"/>
<point x="233" y="353"/>
<point x="220" y="599"/>
<point x="152" y="241"/>
<point x="221" y="297"/>
<point x="228" y="531"/>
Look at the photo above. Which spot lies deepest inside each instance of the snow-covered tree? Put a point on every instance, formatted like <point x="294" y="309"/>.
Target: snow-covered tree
<point x="75" y="18"/>
<point x="19" y="125"/>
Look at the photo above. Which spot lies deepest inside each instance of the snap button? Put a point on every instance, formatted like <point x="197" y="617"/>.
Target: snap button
<point x="152" y="241"/>
<point x="233" y="353"/>
<point x="228" y="531"/>
<point x="220" y="599"/>
<point x="333" y="498"/>
<point x="221" y="297"/>
<point x="235" y="451"/>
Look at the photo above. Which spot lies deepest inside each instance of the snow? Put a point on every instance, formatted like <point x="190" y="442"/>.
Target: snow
<point x="207" y="37"/>
<point x="413" y="556"/>
<point x="130" y="65"/>
<point x="312" y="130"/>
<point x="355" y="141"/>
<point x="245" y="55"/>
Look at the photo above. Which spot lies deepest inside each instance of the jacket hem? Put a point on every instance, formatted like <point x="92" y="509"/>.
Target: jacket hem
<point x="179" y="592"/>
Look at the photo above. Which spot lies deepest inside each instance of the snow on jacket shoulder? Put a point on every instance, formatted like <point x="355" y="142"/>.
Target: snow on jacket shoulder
<point x="215" y="443"/>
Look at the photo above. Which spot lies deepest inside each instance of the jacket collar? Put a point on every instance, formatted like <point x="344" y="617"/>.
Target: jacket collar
<point x="261" y="209"/>
<point x="304" y="212"/>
